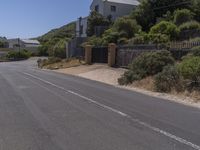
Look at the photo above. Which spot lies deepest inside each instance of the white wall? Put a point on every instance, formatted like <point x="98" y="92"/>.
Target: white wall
<point x="121" y="9"/>
<point x="84" y="24"/>
<point x="100" y="3"/>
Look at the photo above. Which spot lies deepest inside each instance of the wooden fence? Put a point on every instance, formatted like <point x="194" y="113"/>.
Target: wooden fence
<point x="126" y="54"/>
<point x="183" y="45"/>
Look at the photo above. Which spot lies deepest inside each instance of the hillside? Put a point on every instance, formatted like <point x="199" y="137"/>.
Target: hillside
<point x="64" y="32"/>
<point x="54" y="42"/>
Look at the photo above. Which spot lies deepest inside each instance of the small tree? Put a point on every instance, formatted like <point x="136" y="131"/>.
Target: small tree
<point x="189" y="68"/>
<point x="166" y="28"/>
<point x="96" y="19"/>
<point x="127" y="26"/>
<point x="60" y="49"/>
<point x="182" y="16"/>
<point x="1" y="44"/>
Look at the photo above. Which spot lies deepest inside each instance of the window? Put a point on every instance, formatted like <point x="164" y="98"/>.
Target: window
<point x="97" y="8"/>
<point x="113" y="9"/>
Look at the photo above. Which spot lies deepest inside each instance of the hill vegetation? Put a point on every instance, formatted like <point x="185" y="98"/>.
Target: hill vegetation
<point x="53" y="42"/>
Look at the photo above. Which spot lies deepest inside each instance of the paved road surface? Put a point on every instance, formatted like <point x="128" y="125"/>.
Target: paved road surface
<point x="42" y="110"/>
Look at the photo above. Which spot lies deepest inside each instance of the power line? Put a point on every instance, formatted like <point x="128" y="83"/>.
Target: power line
<point x="178" y="4"/>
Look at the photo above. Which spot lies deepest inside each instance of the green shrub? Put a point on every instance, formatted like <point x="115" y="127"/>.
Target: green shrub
<point x="59" y="49"/>
<point x="23" y="54"/>
<point x="110" y="36"/>
<point x="127" y="25"/>
<point x="165" y="28"/>
<point x="146" y="64"/>
<point x="96" y="19"/>
<point x="197" y="39"/>
<point x="43" y="50"/>
<point x="95" y="41"/>
<point x="182" y="15"/>
<point x="196" y="51"/>
<point x="142" y="38"/>
<point x="122" y="41"/>
<point x="159" y="38"/>
<point x="189" y="68"/>
<point x="192" y="25"/>
<point x="167" y="80"/>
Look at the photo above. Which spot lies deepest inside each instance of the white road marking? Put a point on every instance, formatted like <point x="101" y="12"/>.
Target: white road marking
<point x="155" y="129"/>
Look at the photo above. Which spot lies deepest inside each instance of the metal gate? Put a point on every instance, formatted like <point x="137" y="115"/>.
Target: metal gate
<point x="100" y="55"/>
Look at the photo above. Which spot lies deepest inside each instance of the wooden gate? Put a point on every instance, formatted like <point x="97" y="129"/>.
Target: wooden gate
<point x="100" y="55"/>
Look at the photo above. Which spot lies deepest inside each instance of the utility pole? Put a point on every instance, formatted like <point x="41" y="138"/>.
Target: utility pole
<point x="19" y="44"/>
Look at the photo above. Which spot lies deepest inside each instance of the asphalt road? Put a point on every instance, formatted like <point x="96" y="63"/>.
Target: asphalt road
<point x="43" y="110"/>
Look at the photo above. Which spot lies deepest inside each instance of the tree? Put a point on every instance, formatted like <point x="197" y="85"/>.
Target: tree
<point x="144" y="15"/>
<point x="149" y="11"/>
<point x="182" y="15"/>
<point x="1" y="44"/>
<point x="195" y="9"/>
<point x="190" y="70"/>
<point x="96" y="19"/>
<point x="60" y="49"/>
<point x="127" y="26"/>
<point x="165" y="28"/>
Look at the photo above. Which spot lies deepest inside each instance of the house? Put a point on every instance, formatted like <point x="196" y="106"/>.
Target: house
<point x="27" y="44"/>
<point x="112" y="9"/>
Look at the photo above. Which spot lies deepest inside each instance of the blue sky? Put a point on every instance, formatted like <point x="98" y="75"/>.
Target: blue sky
<point x="32" y="18"/>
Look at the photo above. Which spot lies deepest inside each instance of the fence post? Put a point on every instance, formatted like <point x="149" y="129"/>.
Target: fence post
<point x="112" y="54"/>
<point x="88" y="54"/>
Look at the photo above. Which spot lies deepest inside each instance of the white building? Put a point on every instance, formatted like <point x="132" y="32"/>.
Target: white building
<point x="27" y="44"/>
<point x="108" y="8"/>
<point x="24" y="43"/>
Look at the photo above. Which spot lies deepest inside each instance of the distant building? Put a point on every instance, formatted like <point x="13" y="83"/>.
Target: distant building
<point x="112" y="9"/>
<point x="27" y="44"/>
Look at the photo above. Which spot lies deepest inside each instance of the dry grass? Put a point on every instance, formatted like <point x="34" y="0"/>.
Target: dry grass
<point x="64" y="64"/>
<point x="148" y="84"/>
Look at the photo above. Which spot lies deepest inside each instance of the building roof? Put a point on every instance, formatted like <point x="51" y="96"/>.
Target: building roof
<point x="129" y="2"/>
<point x="30" y="41"/>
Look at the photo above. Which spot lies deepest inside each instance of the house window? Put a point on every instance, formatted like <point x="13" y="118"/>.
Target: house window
<point x="97" y="8"/>
<point x="113" y="8"/>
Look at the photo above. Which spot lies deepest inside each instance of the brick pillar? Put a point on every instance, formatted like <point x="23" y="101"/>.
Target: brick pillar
<point x="112" y="54"/>
<point x="88" y="54"/>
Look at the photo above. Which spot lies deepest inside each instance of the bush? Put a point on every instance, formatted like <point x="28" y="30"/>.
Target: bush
<point x="189" y="68"/>
<point x="192" y="25"/>
<point x="127" y="25"/>
<point x="159" y="38"/>
<point x="182" y="16"/>
<point x="196" y="51"/>
<point x="141" y="38"/>
<point x="147" y="64"/>
<point x="43" y="50"/>
<point x="95" y="41"/>
<point x="110" y="36"/>
<point x="122" y="41"/>
<point x="96" y="19"/>
<point x="165" y="29"/>
<point x="15" y="55"/>
<point x="167" y="80"/>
